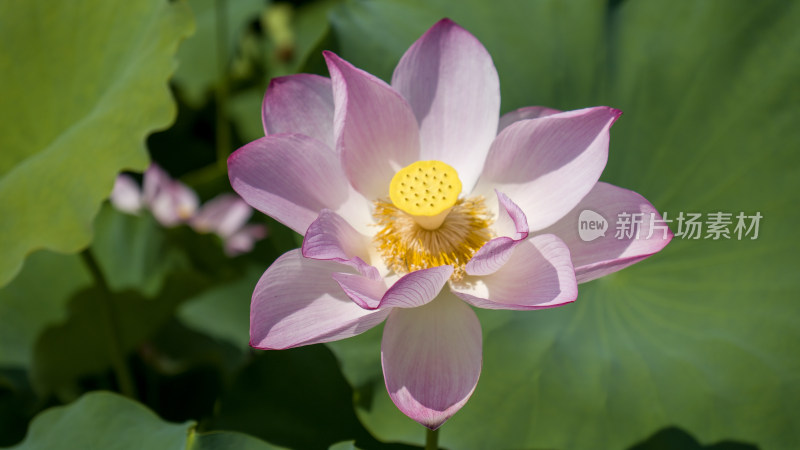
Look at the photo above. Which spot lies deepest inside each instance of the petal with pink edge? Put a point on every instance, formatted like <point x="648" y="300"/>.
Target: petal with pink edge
<point x="365" y="290"/>
<point x="296" y="302"/>
<point x="416" y="288"/>
<point x="299" y="104"/>
<point x="512" y="226"/>
<point x="451" y="83"/>
<point x="608" y="254"/>
<point x="330" y="237"/>
<point x="528" y="112"/>
<point x="431" y="357"/>
<point x="374" y="128"/>
<point x="291" y="178"/>
<point x="410" y="291"/>
<point x="547" y="165"/>
<point x="539" y="274"/>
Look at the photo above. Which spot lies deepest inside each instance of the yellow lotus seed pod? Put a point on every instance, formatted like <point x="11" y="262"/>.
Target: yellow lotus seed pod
<point x="426" y="190"/>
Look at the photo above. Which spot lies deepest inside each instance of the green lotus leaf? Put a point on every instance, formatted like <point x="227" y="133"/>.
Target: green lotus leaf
<point x="110" y="421"/>
<point x="79" y="346"/>
<point x="82" y="84"/>
<point x="133" y="251"/>
<point x="198" y="67"/>
<point x="34" y="300"/>
<point x="224" y="310"/>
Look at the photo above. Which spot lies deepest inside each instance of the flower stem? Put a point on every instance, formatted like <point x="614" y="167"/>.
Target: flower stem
<point x="222" y="125"/>
<point x="106" y="305"/>
<point x="431" y="439"/>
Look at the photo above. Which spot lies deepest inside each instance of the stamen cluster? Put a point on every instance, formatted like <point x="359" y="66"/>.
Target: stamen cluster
<point x="406" y="246"/>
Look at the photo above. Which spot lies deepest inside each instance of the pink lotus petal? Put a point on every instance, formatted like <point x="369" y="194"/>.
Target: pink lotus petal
<point x="224" y="215"/>
<point x="365" y="289"/>
<point x="547" y="165"/>
<point x="608" y="254"/>
<point x="292" y="178"/>
<point x="155" y="179"/>
<point x="245" y="239"/>
<point x="296" y="302"/>
<point x="411" y="290"/>
<point x="431" y="357"/>
<point x="126" y="195"/>
<point x="330" y="237"/>
<point x="539" y="274"/>
<point x="449" y="80"/>
<point x="512" y="226"/>
<point x="416" y="288"/>
<point x="528" y="112"/>
<point x="374" y="127"/>
<point x="170" y="201"/>
<point x="300" y="104"/>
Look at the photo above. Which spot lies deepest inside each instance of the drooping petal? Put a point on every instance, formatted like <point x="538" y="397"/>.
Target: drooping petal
<point x="528" y="112"/>
<point x="291" y="178"/>
<point x="245" y="239"/>
<point x="330" y="237"/>
<point x="365" y="290"/>
<point x="451" y="83"/>
<point x="299" y="104"/>
<point x="512" y="228"/>
<point x="431" y="357"/>
<point x="126" y="195"/>
<point x="410" y="291"/>
<point x="547" y="165"/>
<point x="539" y="274"/>
<point x="610" y="253"/>
<point x="416" y="288"/>
<point x="296" y="302"/>
<point x="375" y="130"/>
<point x="224" y="215"/>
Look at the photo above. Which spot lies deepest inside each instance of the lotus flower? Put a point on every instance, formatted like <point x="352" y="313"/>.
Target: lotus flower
<point x="173" y="203"/>
<point x="170" y="201"/>
<point x="416" y="202"/>
<point x="226" y="216"/>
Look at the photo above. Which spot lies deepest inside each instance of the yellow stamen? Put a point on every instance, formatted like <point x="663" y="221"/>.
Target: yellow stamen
<point x="406" y="245"/>
<point x="426" y="190"/>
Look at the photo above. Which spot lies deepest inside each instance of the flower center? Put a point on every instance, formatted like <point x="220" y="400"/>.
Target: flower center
<point x="427" y="190"/>
<point x="425" y="224"/>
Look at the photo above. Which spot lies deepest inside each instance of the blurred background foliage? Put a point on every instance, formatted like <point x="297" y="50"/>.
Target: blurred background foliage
<point x="695" y="348"/>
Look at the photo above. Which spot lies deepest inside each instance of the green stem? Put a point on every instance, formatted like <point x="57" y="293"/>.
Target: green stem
<point x="106" y="305"/>
<point x="431" y="439"/>
<point x="223" y="127"/>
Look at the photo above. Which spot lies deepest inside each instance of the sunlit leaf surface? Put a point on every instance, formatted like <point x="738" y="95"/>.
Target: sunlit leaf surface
<point x="82" y="84"/>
